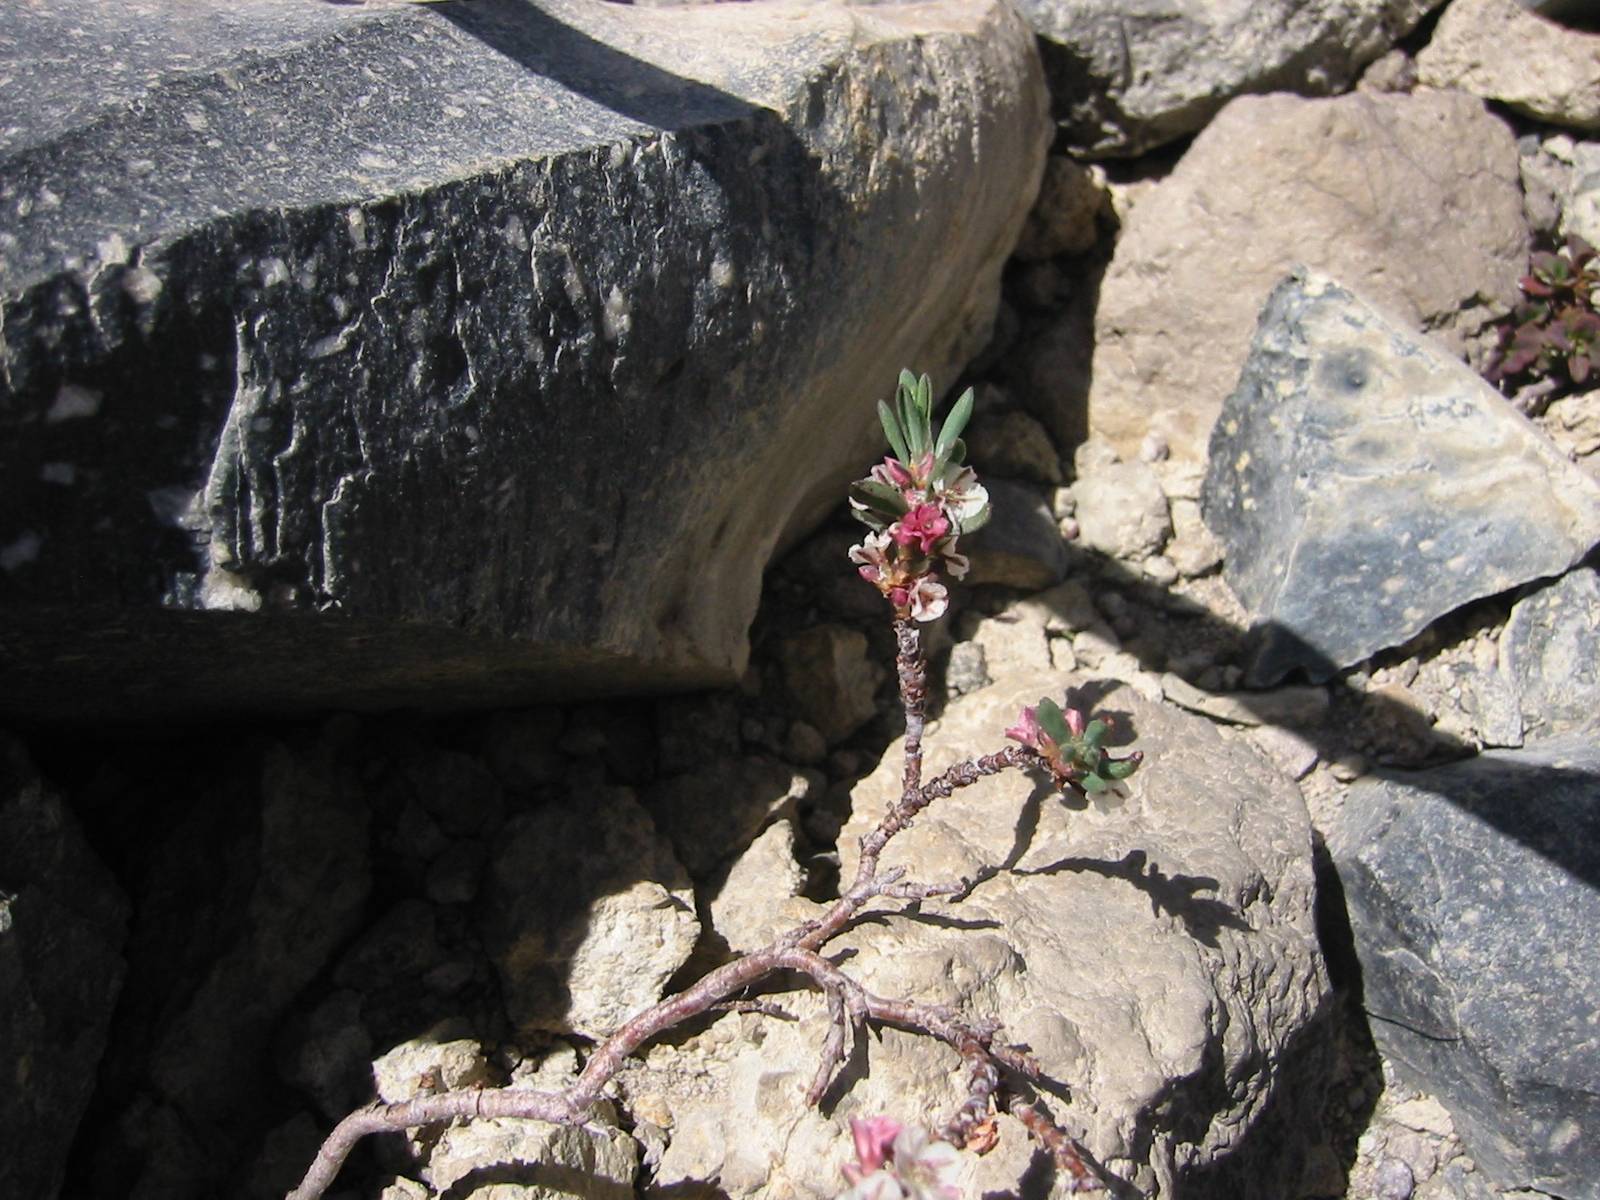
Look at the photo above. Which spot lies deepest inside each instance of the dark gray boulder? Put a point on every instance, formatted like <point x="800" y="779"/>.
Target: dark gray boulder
<point x="363" y="355"/>
<point x="1128" y="77"/>
<point x="63" y="923"/>
<point x="1364" y="482"/>
<point x="1474" y="895"/>
<point x="1550" y="653"/>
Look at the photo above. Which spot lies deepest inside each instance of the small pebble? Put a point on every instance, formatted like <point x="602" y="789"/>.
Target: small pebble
<point x="1160" y="570"/>
<point x="1154" y="448"/>
<point x="1393" y="1180"/>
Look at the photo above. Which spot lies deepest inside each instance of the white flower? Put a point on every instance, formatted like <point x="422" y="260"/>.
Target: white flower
<point x="880" y="1185"/>
<point x="873" y="556"/>
<point x="924" y="1166"/>
<point x="927" y="599"/>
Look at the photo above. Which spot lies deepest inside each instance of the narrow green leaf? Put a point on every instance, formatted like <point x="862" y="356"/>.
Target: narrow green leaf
<point x="960" y="414"/>
<point x="910" y="419"/>
<point x="891" y="430"/>
<point x="1094" y="733"/>
<point x="879" y="497"/>
<point x="908" y="382"/>
<point x="1048" y="714"/>
<point x="925" y="397"/>
<point x="1120" y="768"/>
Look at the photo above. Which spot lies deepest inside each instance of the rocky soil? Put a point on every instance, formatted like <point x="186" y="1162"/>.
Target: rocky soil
<point x="219" y="935"/>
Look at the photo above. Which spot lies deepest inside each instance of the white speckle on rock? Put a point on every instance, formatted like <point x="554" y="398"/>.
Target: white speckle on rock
<point x="273" y="271"/>
<point x="223" y="591"/>
<point x="197" y="121"/>
<point x="112" y="250"/>
<point x="62" y="473"/>
<point x="617" y="319"/>
<point x="356" y="221"/>
<point x="142" y="285"/>
<point x="722" y="273"/>
<point x="73" y="401"/>
<point x="21" y="551"/>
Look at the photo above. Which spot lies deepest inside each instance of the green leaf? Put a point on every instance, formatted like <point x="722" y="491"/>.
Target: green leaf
<point x="925" y="398"/>
<point x="891" y="430"/>
<point x="1094" y="733"/>
<point x="879" y="497"/>
<point x="1120" y="768"/>
<point x="1092" y="783"/>
<point x="910" y="418"/>
<point x="960" y="414"/>
<point x="1048" y="714"/>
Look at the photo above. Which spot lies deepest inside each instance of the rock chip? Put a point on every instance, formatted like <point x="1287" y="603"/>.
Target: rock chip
<point x="1122" y="511"/>
<point x="1064" y="219"/>
<point x="1063" y="944"/>
<point x="750" y="907"/>
<point x="461" y="390"/>
<point x="1126" y="79"/>
<point x="63" y="924"/>
<point x="1474" y="895"/>
<point x="1021" y="546"/>
<point x="1550" y="652"/>
<point x="830" y="678"/>
<point x="587" y="913"/>
<point x="1359" y="480"/>
<point x="1499" y="50"/>
<point x="1014" y="445"/>
<point x="714" y="812"/>
<point x="1413" y="200"/>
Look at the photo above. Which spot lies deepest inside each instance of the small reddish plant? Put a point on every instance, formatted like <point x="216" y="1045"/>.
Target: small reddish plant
<point x="1555" y="332"/>
<point x="917" y="503"/>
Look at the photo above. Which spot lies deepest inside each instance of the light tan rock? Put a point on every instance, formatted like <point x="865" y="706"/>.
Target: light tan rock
<point x="1142" y="952"/>
<point x="1122" y="511"/>
<point x="1499" y="50"/>
<point x="1413" y="200"/>
<point x="751" y="906"/>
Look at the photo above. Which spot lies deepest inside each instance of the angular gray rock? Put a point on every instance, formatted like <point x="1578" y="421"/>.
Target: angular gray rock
<point x="1550" y="654"/>
<point x="63" y="924"/>
<point x="1364" y="482"/>
<point x="586" y="914"/>
<point x="352" y="353"/>
<point x="1499" y="50"/>
<point x="1474" y="895"/>
<point x="1414" y="200"/>
<point x="1160" y="959"/>
<point x="1128" y="77"/>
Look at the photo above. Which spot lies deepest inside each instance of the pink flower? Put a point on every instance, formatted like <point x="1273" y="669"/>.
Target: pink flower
<point x="1027" y="730"/>
<point x="873" y="1137"/>
<point x="873" y="555"/>
<point x="893" y="473"/>
<point x="1074" y="720"/>
<point x="922" y="527"/>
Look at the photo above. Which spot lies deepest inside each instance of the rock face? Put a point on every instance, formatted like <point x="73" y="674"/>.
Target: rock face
<point x="1550" y="651"/>
<point x="1126" y="78"/>
<point x="63" y="922"/>
<point x="1413" y="200"/>
<point x="1499" y="50"/>
<point x="1156" y="957"/>
<point x="1474" y="893"/>
<point x="1362" y="481"/>
<point x="372" y="351"/>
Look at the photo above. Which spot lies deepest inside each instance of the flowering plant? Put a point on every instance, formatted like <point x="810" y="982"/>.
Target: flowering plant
<point x="917" y="502"/>
<point x="899" y="1162"/>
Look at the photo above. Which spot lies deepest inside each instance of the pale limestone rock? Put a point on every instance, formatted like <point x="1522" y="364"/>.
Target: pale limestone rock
<point x="1122" y="510"/>
<point x="712" y="812"/>
<point x="1014" y="640"/>
<point x="1411" y="199"/>
<point x="1145" y="953"/>
<point x="1499" y="50"/>
<point x="830" y="678"/>
<point x="587" y="913"/>
<point x="751" y="906"/>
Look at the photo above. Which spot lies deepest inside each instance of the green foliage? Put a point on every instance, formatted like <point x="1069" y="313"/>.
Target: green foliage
<point x="1555" y="332"/>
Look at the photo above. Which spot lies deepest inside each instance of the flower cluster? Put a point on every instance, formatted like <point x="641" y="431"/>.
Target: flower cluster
<point x="898" y="1162"/>
<point x="917" y="502"/>
<point x="1071" y="747"/>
